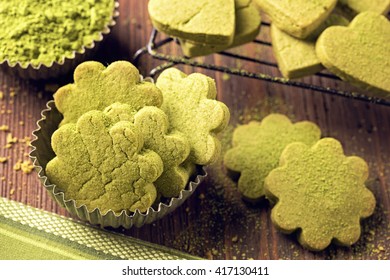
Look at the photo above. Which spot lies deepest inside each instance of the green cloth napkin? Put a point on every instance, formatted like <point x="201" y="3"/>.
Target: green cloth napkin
<point x="30" y="233"/>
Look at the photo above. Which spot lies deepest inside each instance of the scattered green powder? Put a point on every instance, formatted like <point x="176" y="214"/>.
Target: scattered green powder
<point x="133" y="21"/>
<point x="25" y="166"/>
<point x="26" y="140"/>
<point x="225" y="77"/>
<point x="11" y="139"/>
<point x="4" y="127"/>
<point x="43" y="31"/>
<point x="17" y="166"/>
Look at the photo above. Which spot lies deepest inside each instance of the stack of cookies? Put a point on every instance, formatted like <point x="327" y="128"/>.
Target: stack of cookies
<point x="310" y="35"/>
<point x="124" y="145"/>
<point x="205" y="27"/>
<point x="349" y="38"/>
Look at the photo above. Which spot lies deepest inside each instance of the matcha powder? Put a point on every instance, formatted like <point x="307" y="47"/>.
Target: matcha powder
<point x="43" y="31"/>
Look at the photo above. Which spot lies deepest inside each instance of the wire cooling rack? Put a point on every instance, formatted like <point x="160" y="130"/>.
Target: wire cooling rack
<point x="158" y="41"/>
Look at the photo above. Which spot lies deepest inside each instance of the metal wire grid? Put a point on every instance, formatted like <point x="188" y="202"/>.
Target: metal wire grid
<point x="155" y="44"/>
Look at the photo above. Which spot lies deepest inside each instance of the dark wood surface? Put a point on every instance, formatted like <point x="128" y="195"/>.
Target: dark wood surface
<point x="215" y="223"/>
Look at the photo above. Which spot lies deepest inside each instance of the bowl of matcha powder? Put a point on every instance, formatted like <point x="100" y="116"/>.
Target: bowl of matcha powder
<point x="42" y="39"/>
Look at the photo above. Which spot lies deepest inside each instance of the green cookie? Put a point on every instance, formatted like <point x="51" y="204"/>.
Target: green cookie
<point x="95" y="87"/>
<point x="202" y="21"/>
<point x="359" y="53"/>
<point x="247" y="27"/>
<point x="189" y="102"/>
<point x="257" y="148"/>
<point x="102" y="164"/>
<point x="297" y="57"/>
<point x="298" y="18"/>
<point x="172" y="147"/>
<point x="359" y="6"/>
<point x="321" y="193"/>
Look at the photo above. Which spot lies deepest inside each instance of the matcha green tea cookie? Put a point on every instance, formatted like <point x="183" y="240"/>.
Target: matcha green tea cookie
<point x="95" y="87"/>
<point x="297" y="17"/>
<point x="257" y="148"/>
<point x="359" y="53"/>
<point x="247" y="27"/>
<point x="297" y="57"/>
<point x="102" y="164"/>
<point x="321" y="193"/>
<point x="359" y="6"/>
<point x="189" y="102"/>
<point x="172" y="147"/>
<point x="202" y="21"/>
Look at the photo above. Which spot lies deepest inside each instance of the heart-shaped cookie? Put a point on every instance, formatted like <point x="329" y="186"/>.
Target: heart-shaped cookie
<point x="359" y="6"/>
<point x="359" y="53"/>
<point x="202" y="21"/>
<point x="297" y="17"/>
<point x="297" y="57"/>
<point x="247" y="27"/>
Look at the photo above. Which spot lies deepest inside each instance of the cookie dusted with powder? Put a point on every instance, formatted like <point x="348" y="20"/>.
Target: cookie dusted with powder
<point x="257" y="148"/>
<point x="102" y="164"/>
<point x="359" y="53"/>
<point x="189" y="102"/>
<point x="171" y="146"/>
<point x="248" y="23"/>
<point x="359" y="6"/>
<point x="297" y="57"/>
<point x="298" y="18"/>
<point x="203" y="21"/>
<point x="95" y="87"/>
<point x="320" y="193"/>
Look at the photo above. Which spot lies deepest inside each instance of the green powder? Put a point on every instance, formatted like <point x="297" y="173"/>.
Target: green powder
<point x="43" y="31"/>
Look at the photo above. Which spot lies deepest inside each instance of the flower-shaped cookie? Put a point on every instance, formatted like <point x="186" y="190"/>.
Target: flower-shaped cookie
<point x="359" y="53"/>
<point x="172" y="147"/>
<point x="257" y="148"/>
<point x="103" y="165"/>
<point x="321" y="192"/>
<point x="191" y="109"/>
<point x="95" y="87"/>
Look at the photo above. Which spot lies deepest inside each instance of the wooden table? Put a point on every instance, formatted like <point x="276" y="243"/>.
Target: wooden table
<point x="215" y="223"/>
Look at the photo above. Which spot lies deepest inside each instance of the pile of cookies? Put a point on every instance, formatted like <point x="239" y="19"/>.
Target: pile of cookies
<point x="310" y="35"/>
<point x="317" y="190"/>
<point x="307" y="36"/>
<point x="124" y="143"/>
<point x="204" y="27"/>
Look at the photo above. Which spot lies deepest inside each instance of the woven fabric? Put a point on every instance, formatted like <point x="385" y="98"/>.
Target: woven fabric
<point x="30" y="233"/>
